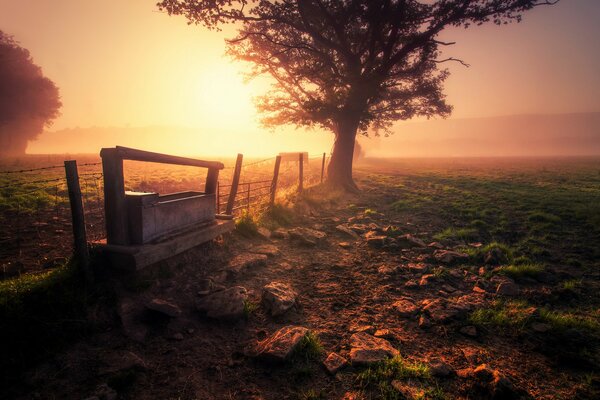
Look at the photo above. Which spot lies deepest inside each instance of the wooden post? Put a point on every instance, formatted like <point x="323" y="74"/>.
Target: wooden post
<point x="234" y="184"/>
<point x="218" y="199"/>
<point x="211" y="181"/>
<point x="323" y="168"/>
<point x="300" y="172"/>
<point x="82" y="254"/>
<point x="248" y="198"/>
<point x="114" y="198"/>
<point x="274" y="182"/>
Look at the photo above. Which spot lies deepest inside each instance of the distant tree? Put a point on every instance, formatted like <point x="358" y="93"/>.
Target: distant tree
<point x="349" y="66"/>
<point x="28" y="100"/>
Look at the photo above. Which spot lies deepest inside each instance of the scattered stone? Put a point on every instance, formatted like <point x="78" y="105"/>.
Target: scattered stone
<point x="495" y="257"/>
<point x="282" y="344"/>
<point x="278" y="297"/>
<point x="449" y="256"/>
<point x="246" y="261"/>
<point x="130" y="312"/>
<point x="418" y="267"/>
<point x="367" y="349"/>
<point x="264" y="232"/>
<point x="409" y="241"/>
<point x="334" y="362"/>
<point x="448" y="288"/>
<point x="406" y="307"/>
<point x="471" y="354"/>
<point x="375" y="240"/>
<point x="347" y="231"/>
<point x="280" y="233"/>
<point x="411" y="284"/>
<point x="345" y="245"/>
<point x="440" y="369"/>
<point x="482" y="271"/>
<point x="306" y="236"/>
<point x="443" y="311"/>
<point x="469" y="330"/>
<point x="370" y="329"/>
<point x="507" y="289"/>
<point x="205" y="286"/>
<point x="424" y="322"/>
<point x="426" y="279"/>
<point x="435" y="245"/>
<point x="387" y="269"/>
<point x="268" y="250"/>
<point x="164" y="307"/>
<point x="226" y="304"/>
<point x="540" y="327"/>
<point x="383" y="333"/>
<point x="359" y="228"/>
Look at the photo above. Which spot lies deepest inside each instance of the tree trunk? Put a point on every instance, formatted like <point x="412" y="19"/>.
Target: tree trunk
<point x="339" y="172"/>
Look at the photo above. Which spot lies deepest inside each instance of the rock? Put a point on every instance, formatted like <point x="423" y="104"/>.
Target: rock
<point x="130" y="313"/>
<point x="114" y="363"/>
<point x="280" y="233"/>
<point x="345" y="245"/>
<point x="409" y="241"/>
<point x="268" y="250"/>
<point x="383" y="333"/>
<point x="418" y="267"/>
<point x="405" y="307"/>
<point x="507" y="289"/>
<point x="448" y="288"/>
<point x="435" y="245"/>
<point x="164" y="307"/>
<point x="471" y="354"/>
<point x="347" y="231"/>
<point x="443" y="311"/>
<point x="245" y="261"/>
<point x="424" y="322"/>
<point x="540" y="327"/>
<point x="426" y="279"/>
<point x="469" y="330"/>
<point x="264" y="232"/>
<point x="370" y="329"/>
<point x="278" y="297"/>
<point x="440" y="369"/>
<point x="367" y="349"/>
<point x="306" y="236"/>
<point x="205" y="286"/>
<point x="387" y="269"/>
<point x="334" y="362"/>
<point x="375" y="240"/>
<point x="450" y="257"/>
<point x="495" y="257"/>
<point x="411" y="284"/>
<point x="359" y="228"/>
<point x="281" y="345"/>
<point x="226" y="304"/>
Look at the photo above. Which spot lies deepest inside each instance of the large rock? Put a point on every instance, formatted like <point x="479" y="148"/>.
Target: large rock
<point x="367" y="349"/>
<point x="409" y="241"/>
<point x="226" y="304"/>
<point x="450" y="257"/>
<point x="268" y="250"/>
<point x="245" y="261"/>
<point x="334" y="362"/>
<point x="130" y="312"/>
<point x="347" y="231"/>
<point x="405" y="307"/>
<point x="164" y="307"/>
<point x="278" y="297"/>
<point x="375" y="240"/>
<point x="306" y="236"/>
<point x="282" y="344"/>
<point x="507" y="289"/>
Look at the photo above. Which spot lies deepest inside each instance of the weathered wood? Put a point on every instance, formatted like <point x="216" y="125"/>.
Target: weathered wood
<point x="323" y="168"/>
<point x="82" y="254"/>
<point x="212" y="177"/>
<point x="300" y="173"/>
<point x="293" y="157"/>
<point x="274" y="182"/>
<point x="127" y="153"/>
<point x="234" y="184"/>
<point x="115" y="207"/>
<point x="133" y="258"/>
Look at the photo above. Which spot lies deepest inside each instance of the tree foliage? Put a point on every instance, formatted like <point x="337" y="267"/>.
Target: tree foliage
<point x="347" y="65"/>
<point x="28" y="100"/>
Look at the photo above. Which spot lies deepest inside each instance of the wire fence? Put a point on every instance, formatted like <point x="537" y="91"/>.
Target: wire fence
<point x="35" y="213"/>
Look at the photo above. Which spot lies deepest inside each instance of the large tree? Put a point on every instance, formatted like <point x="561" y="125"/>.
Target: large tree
<point x="28" y="100"/>
<point x="349" y="66"/>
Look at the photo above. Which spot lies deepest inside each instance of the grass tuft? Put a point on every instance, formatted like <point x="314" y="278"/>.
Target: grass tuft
<point x="522" y="271"/>
<point x="502" y="314"/>
<point x="464" y="234"/>
<point x="246" y="225"/>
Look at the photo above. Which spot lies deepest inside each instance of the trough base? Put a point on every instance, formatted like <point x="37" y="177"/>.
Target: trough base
<point x="136" y="257"/>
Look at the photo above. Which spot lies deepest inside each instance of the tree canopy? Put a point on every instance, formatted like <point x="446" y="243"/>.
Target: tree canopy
<point x="347" y="65"/>
<point x="28" y="100"/>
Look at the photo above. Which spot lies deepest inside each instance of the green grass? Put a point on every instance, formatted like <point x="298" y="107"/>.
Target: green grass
<point x="561" y="321"/>
<point x="249" y="308"/>
<point x="278" y="216"/>
<point x="378" y="377"/>
<point x="311" y="394"/>
<point x="246" y="225"/>
<point x="465" y="234"/>
<point x="522" y="271"/>
<point x="572" y="284"/>
<point x="502" y="314"/>
<point x="310" y="349"/>
<point x="478" y="254"/>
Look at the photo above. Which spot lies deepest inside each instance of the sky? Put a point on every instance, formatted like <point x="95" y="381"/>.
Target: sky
<point x="124" y="64"/>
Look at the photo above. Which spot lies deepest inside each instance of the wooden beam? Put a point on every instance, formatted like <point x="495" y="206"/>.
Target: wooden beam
<point x="234" y="184"/>
<point x="115" y="208"/>
<point x="127" y="153"/>
<point x="275" y="179"/>
<point x="212" y="177"/>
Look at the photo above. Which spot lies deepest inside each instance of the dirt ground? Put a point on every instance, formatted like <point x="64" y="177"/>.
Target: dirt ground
<point x="342" y="289"/>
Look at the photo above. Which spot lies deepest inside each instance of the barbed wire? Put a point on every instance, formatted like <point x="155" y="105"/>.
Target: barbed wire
<point x="31" y="183"/>
<point x="20" y="171"/>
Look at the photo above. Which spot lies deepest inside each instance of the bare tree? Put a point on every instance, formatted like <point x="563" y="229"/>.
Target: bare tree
<point x="28" y="100"/>
<point x="349" y="66"/>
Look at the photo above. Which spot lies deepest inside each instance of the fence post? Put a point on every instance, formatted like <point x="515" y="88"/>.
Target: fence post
<point x="212" y="177"/>
<point x="274" y="182"/>
<point x="300" y="172"/>
<point x="323" y="168"/>
<point x="234" y="184"/>
<point x="82" y="254"/>
<point x="115" y="208"/>
<point x="218" y="199"/>
<point x="248" y="198"/>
